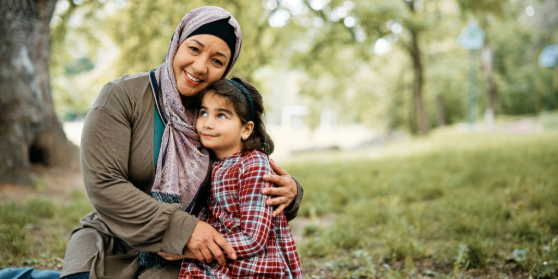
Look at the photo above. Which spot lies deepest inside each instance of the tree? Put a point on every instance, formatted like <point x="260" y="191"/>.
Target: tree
<point x="29" y="130"/>
<point x="333" y="48"/>
<point x="415" y="51"/>
<point x="372" y="17"/>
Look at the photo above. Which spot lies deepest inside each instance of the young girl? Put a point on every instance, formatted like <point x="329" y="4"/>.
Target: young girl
<point x="230" y="124"/>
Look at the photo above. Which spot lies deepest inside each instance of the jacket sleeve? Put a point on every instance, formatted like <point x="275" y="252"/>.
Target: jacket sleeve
<point x="132" y="215"/>
<point x="250" y="237"/>
<point x="291" y="211"/>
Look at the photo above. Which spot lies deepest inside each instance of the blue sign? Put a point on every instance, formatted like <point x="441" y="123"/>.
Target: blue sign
<point x="549" y="56"/>
<point x="471" y="37"/>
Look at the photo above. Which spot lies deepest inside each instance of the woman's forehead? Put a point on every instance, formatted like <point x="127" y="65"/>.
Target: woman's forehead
<point x="211" y="42"/>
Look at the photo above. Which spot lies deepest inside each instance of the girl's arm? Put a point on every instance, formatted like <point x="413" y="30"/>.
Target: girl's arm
<point x="251" y="236"/>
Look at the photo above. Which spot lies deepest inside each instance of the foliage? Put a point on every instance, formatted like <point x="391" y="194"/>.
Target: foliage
<point x="333" y="59"/>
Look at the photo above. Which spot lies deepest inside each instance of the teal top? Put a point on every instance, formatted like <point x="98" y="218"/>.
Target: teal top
<point x="157" y="136"/>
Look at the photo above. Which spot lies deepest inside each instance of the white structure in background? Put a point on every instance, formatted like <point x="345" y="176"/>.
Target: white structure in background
<point x="73" y="129"/>
<point x="290" y="116"/>
<point x="328" y="119"/>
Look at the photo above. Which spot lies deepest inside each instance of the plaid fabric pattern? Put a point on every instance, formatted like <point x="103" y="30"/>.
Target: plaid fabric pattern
<point x="264" y="245"/>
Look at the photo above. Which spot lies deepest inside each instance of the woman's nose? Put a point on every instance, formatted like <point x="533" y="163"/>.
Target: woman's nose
<point x="200" y="65"/>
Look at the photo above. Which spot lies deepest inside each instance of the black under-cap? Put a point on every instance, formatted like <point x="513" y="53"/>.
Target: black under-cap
<point x="222" y="29"/>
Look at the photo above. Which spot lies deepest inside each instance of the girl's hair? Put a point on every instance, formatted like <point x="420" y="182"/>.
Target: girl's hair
<point x="259" y="139"/>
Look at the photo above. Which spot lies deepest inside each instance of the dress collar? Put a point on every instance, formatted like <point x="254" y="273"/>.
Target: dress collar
<point x="231" y="158"/>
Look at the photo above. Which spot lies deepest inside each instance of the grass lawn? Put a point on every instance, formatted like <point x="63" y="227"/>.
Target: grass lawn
<point x="35" y="232"/>
<point x="458" y="206"/>
<point x="450" y="206"/>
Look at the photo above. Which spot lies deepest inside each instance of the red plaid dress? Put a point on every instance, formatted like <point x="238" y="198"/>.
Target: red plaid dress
<point x="264" y="245"/>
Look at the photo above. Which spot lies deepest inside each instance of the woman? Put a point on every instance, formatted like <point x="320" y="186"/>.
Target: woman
<point x="139" y="139"/>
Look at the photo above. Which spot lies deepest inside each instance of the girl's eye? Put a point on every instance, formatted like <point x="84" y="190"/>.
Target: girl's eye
<point x="218" y="62"/>
<point x="203" y="113"/>
<point x="222" y="115"/>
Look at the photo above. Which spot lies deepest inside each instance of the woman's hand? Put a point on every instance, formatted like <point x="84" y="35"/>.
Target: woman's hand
<point x="206" y="244"/>
<point x="285" y="191"/>
<point x="173" y="257"/>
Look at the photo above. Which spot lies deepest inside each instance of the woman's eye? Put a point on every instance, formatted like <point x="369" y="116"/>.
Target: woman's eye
<point x="218" y="62"/>
<point x="194" y="49"/>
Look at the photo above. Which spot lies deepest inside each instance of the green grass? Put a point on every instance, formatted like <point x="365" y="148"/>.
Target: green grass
<point x="35" y="232"/>
<point x="465" y="207"/>
<point x="449" y="206"/>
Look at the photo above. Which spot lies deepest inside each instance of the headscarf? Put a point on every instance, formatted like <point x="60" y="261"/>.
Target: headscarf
<point x="183" y="162"/>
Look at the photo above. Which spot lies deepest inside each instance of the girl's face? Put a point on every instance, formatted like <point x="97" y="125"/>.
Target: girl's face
<point x="219" y="127"/>
<point x="200" y="61"/>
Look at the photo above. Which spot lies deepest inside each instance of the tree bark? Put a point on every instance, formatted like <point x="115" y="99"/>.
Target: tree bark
<point x="418" y="73"/>
<point x="29" y="130"/>
<point x="440" y="114"/>
<point x="487" y="58"/>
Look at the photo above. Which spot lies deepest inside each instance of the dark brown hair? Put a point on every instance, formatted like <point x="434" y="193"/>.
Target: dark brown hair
<point x="259" y="139"/>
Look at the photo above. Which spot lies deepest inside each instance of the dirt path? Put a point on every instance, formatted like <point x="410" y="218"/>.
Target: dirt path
<point x="54" y="184"/>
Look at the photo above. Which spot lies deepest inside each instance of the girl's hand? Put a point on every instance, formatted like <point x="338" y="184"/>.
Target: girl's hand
<point x="285" y="191"/>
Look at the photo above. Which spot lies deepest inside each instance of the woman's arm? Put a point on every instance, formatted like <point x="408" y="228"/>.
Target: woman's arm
<point x="132" y="215"/>
<point x="288" y="193"/>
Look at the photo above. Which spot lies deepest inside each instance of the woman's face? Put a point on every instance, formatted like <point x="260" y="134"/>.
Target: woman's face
<point x="200" y="61"/>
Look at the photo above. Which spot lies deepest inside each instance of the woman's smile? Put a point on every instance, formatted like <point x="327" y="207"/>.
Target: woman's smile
<point x="192" y="80"/>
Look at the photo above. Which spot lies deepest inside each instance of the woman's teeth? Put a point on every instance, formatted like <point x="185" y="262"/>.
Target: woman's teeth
<point x="192" y="77"/>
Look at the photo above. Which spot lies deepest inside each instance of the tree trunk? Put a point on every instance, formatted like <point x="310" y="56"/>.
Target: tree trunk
<point x="440" y="115"/>
<point x="418" y="73"/>
<point x="487" y="58"/>
<point x="29" y="130"/>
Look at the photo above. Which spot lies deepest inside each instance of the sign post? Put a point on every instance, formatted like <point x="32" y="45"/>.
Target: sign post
<point x="472" y="38"/>
<point x="548" y="59"/>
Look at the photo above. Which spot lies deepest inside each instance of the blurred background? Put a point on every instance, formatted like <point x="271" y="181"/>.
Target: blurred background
<point x="423" y="131"/>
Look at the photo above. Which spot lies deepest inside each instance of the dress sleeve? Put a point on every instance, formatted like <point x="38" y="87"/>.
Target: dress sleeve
<point x="255" y="216"/>
<point x="132" y="215"/>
